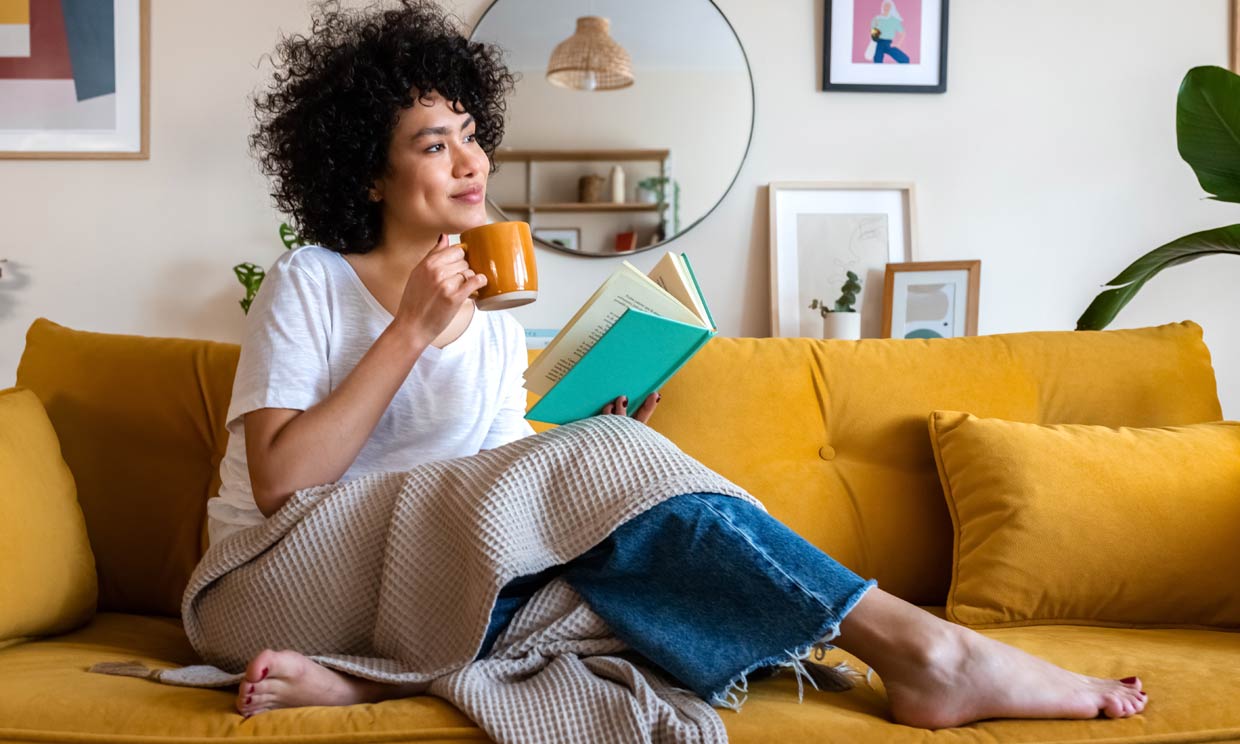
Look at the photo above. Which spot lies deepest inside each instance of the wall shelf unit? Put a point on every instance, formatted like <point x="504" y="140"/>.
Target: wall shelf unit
<point x="531" y="157"/>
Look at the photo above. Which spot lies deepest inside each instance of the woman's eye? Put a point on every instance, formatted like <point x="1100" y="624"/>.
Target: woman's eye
<point x="468" y="138"/>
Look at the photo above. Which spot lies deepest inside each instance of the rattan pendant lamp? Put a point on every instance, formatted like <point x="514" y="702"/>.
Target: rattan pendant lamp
<point x="590" y="59"/>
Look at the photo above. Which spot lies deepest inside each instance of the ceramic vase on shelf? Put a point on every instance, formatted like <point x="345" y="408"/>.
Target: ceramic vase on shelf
<point x="617" y="184"/>
<point x="842" y="325"/>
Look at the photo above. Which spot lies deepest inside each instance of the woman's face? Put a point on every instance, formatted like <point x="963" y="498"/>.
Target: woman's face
<point x="886" y="8"/>
<point x="437" y="172"/>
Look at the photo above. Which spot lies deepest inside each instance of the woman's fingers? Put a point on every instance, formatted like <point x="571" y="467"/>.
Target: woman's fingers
<point x="620" y="407"/>
<point x="647" y="408"/>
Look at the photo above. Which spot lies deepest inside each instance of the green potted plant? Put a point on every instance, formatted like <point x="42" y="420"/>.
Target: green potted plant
<point x="1207" y="130"/>
<point x="251" y="275"/>
<point x="842" y="320"/>
<point x="653" y="190"/>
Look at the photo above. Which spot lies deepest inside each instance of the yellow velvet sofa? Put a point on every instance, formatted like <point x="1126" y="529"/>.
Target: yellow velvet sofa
<point x="830" y="435"/>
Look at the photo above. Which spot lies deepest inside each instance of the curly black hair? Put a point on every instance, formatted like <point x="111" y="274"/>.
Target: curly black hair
<point x="324" y="126"/>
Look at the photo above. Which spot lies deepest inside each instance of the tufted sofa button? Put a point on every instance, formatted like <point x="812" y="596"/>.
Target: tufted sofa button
<point x="826" y="452"/>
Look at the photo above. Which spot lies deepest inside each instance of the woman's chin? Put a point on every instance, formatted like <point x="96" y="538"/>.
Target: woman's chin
<point x="460" y="220"/>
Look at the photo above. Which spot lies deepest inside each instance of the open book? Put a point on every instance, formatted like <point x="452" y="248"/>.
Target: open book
<point x="629" y="338"/>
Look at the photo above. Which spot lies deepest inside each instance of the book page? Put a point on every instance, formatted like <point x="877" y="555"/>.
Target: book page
<point x="627" y="288"/>
<point x="670" y="274"/>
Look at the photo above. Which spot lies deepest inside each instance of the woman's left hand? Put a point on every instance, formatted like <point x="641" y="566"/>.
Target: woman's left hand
<point x="619" y="406"/>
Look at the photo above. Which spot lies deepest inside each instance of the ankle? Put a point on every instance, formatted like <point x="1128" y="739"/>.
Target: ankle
<point x="898" y="639"/>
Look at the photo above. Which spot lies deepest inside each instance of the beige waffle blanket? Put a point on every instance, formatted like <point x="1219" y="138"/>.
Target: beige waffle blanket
<point x="393" y="577"/>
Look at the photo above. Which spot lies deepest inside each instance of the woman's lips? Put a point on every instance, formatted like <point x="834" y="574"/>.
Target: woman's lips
<point x="470" y="197"/>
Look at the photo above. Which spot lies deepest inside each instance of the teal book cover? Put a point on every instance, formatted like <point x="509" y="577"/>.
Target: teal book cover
<point x="639" y="353"/>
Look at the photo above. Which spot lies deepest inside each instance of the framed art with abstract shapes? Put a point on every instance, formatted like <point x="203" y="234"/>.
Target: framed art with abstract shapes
<point x="931" y="299"/>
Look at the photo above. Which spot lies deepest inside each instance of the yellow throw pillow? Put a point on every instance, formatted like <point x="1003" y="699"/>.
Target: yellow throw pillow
<point x="1091" y="525"/>
<point x="47" y="570"/>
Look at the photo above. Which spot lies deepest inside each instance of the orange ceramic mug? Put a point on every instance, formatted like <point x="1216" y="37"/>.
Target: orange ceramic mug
<point x="504" y="252"/>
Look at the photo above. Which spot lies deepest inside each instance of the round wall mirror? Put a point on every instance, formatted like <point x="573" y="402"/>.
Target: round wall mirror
<point x="637" y="133"/>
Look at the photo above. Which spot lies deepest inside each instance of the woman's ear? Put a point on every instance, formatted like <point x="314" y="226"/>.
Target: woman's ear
<point x="375" y="194"/>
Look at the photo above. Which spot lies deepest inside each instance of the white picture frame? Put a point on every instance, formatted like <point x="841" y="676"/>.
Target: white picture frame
<point x="566" y="237"/>
<point x="819" y="230"/>
<point x="46" y="115"/>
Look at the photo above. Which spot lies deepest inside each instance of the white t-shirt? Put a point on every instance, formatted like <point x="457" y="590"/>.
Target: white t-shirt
<point x="308" y="327"/>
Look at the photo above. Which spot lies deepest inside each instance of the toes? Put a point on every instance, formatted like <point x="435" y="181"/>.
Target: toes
<point x="1132" y="682"/>
<point x="260" y="666"/>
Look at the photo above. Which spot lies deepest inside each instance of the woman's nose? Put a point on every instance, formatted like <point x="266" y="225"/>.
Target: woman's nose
<point x="465" y="164"/>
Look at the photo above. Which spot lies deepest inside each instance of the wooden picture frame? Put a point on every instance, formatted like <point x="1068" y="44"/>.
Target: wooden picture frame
<point x="1234" y="36"/>
<point x="847" y="41"/>
<point x="937" y="299"/>
<point x="75" y="100"/>
<point x="820" y="230"/>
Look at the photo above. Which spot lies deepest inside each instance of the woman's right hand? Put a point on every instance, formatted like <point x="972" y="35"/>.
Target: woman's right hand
<point x="436" y="289"/>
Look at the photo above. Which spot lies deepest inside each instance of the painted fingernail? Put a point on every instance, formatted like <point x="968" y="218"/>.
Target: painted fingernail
<point x="1129" y="680"/>
<point x="624" y="400"/>
<point x="247" y="699"/>
<point x="263" y="676"/>
<point x="657" y="397"/>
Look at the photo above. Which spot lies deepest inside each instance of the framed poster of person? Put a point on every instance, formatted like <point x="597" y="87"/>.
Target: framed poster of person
<point x="888" y="46"/>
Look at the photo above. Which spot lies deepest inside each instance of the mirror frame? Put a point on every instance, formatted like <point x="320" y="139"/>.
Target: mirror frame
<point x="753" y="108"/>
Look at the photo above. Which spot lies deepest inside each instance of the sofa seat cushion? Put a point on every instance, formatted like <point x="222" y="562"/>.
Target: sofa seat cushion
<point x="47" y="695"/>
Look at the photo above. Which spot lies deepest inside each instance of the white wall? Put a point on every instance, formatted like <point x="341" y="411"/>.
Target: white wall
<point x="1051" y="158"/>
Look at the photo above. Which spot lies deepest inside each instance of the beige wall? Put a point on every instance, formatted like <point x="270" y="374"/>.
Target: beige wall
<point x="1051" y="158"/>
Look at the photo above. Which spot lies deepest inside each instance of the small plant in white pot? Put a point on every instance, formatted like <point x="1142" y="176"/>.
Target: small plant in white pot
<point x="843" y="321"/>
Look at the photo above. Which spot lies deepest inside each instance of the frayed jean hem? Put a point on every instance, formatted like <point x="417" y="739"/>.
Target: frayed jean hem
<point x="736" y="692"/>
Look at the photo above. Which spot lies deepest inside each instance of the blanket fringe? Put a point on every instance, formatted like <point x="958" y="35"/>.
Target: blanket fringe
<point x="131" y="668"/>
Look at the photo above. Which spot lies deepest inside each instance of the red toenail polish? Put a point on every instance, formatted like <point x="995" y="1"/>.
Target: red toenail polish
<point x="1129" y="680"/>
<point x="263" y="676"/>
<point x="247" y="699"/>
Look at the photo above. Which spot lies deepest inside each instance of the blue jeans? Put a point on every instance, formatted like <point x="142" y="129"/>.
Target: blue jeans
<point x="884" y="47"/>
<point x="708" y="587"/>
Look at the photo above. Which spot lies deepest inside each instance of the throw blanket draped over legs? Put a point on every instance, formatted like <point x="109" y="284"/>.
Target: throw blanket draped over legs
<point x="393" y="576"/>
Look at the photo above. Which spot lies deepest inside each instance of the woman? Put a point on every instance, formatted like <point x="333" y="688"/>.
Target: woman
<point x="889" y="27"/>
<point x="364" y="352"/>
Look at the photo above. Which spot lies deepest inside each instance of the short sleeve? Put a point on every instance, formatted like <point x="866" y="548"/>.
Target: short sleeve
<point x="510" y="423"/>
<point x="283" y="362"/>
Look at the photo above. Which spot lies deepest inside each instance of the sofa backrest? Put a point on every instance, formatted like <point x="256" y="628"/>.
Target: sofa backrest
<point x="830" y="435"/>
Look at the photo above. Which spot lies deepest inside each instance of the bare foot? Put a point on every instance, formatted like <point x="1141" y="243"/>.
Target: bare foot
<point x="939" y="674"/>
<point x="967" y="677"/>
<point x="286" y="679"/>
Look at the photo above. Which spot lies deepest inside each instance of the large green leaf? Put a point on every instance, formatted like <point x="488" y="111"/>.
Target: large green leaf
<point x="1207" y="128"/>
<point x="1124" y="287"/>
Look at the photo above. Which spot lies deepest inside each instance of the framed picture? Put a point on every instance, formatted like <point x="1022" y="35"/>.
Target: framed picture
<point x="822" y="230"/>
<point x="891" y="46"/>
<point x="74" y="79"/>
<point x="931" y="299"/>
<point x="565" y="237"/>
